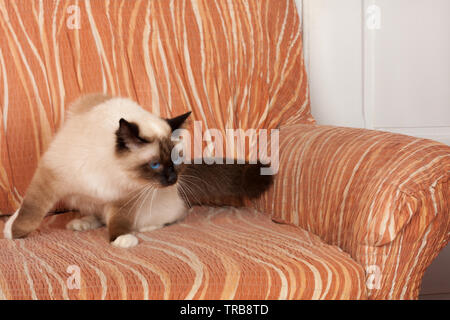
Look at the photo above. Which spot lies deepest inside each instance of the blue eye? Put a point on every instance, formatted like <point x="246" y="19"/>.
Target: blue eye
<point x="154" y="165"/>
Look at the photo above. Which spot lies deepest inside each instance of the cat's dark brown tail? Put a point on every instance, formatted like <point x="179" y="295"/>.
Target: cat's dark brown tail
<point x="222" y="184"/>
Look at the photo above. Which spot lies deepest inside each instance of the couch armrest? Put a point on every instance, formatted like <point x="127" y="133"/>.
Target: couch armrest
<point x="382" y="197"/>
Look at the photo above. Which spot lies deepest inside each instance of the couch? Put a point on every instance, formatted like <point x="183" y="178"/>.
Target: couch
<point x="352" y="213"/>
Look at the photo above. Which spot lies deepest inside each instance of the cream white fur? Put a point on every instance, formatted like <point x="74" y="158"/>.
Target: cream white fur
<point x="83" y="151"/>
<point x="125" y="241"/>
<point x="82" y="155"/>
<point x="7" y="228"/>
<point x="160" y="207"/>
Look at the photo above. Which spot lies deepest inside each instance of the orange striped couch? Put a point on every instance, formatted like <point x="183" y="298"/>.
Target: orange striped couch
<point x="352" y="214"/>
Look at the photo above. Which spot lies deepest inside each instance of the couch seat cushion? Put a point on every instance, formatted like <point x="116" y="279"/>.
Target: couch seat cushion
<point x="215" y="253"/>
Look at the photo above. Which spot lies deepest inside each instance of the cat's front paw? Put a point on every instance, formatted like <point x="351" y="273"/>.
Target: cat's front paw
<point x="84" y="224"/>
<point x="150" y="228"/>
<point x="125" y="241"/>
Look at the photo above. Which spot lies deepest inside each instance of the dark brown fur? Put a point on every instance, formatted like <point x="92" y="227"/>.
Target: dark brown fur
<point x="222" y="184"/>
<point x="167" y="168"/>
<point x="127" y="135"/>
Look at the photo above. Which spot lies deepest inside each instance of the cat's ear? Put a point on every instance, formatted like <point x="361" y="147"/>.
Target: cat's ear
<point x="127" y="136"/>
<point x="177" y="122"/>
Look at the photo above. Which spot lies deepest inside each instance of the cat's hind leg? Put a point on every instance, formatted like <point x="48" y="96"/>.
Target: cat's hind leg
<point x="41" y="195"/>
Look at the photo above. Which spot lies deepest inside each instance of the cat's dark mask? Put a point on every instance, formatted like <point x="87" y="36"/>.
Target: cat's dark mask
<point x="162" y="169"/>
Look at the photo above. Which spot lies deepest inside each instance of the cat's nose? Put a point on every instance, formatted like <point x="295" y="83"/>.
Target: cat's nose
<point x="171" y="178"/>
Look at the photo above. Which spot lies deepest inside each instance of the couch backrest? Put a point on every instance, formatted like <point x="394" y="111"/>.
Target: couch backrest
<point x="233" y="63"/>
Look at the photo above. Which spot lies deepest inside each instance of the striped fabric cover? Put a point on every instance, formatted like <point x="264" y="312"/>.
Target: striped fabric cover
<point x="215" y="253"/>
<point x="384" y="198"/>
<point x="233" y="63"/>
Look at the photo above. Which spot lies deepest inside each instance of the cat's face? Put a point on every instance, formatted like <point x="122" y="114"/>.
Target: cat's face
<point x="148" y="158"/>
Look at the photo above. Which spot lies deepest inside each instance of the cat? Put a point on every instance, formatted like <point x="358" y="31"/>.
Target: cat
<point x="111" y="160"/>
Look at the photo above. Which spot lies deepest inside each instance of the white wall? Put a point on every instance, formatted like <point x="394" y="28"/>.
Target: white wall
<point x="391" y="73"/>
<point x="395" y="77"/>
<point x="333" y="44"/>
